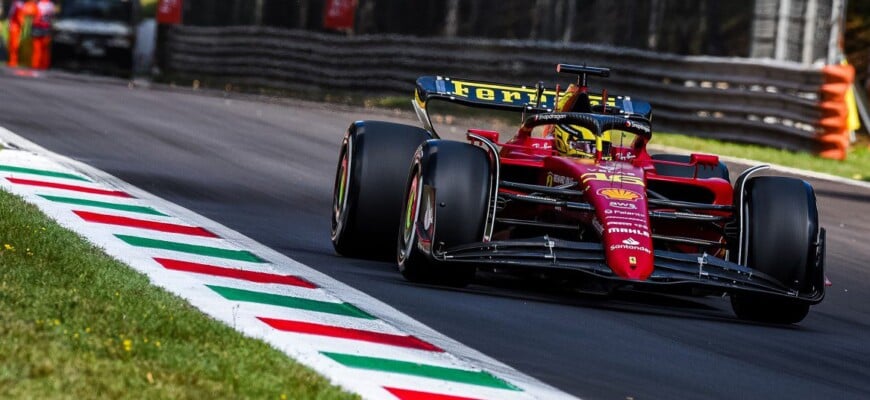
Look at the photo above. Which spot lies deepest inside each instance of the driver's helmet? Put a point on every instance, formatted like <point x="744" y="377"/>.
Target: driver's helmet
<point x="574" y="140"/>
<point x="577" y="141"/>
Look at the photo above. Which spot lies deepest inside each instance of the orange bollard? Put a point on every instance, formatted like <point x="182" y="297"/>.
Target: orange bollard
<point x="834" y="138"/>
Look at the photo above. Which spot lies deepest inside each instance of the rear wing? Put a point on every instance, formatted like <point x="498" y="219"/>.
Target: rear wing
<point x="503" y="96"/>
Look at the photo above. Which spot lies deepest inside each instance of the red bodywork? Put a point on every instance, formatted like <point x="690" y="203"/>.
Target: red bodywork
<point x="615" y="185"/>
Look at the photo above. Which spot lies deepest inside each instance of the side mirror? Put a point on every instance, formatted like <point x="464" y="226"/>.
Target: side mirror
<point x="492" y="136"/>
<point x="704" y="160"/>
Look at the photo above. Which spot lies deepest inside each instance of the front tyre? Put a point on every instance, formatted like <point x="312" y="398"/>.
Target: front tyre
<point x="783" y="242"/>
<point x="369" y="185"/>
<point x="445" y="205"/>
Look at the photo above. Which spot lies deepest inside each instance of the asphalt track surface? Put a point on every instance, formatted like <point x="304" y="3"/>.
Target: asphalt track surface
<point x="265" y="168"/>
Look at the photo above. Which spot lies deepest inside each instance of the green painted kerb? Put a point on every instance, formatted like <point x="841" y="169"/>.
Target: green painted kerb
<point x="345" y="309"/>
<point x="42" y="172"/>
<point x="102" y="204"/>
<point x="240" y="255"/>
<point x="479" y="378"/>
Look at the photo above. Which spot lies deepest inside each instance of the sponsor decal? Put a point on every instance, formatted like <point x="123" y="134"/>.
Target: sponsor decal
<point x="616" y="212"/>
<point x="428" y="217"/>
<point x="619" y="194"/>
<point x="627" y="247"/>
<point x="600" y="176"/>
<point x="605" y="168"/>
<point x="630" y="231"/>
<point x="638" y="221"/>
<point x="611" y="169"/>
<point x="642" y="227"/>
<point x="625" y="156"/>
<point x="637" y="125"/>
<point x="624" y="205"/>
<point x="632" y="260"/>
<point x="556" y="179"/>
<point x="499" y="93"/>
<point x="506" y="94"/>
<point x="550" y="117"/>
<point x="631" y="242"/>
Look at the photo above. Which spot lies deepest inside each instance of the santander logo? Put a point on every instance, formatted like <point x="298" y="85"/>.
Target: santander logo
<point x="630" y="242"/>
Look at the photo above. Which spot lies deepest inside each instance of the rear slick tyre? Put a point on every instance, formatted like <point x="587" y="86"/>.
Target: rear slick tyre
<point x="446" y="203"/>
<point x="782" y="232"/>
<point x="369" y="186"/>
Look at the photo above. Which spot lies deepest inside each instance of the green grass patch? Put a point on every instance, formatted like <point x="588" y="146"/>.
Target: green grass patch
<point x="856" y="166"/>
<point x="79" y="324"/>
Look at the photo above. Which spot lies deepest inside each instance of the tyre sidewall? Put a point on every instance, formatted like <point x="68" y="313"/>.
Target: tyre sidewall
<point x="377" y="155"/>
<point x="452" y="182"/>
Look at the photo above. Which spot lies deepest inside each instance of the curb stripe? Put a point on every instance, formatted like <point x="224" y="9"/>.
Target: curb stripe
<point x="101" y="204"/>
<point x="31" y="171"/>
<point x="74" y="188"/>
<point x="479" y="378"/>
<point x="143" y="224"/>
<point x="346" y="309"/>
<point x="239" y="255"/>
<point x="250" y="276"/>
<point x="405" y="394"/>
<point x="348" y="333"/>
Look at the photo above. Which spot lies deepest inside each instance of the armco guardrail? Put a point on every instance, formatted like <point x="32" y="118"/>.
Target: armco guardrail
<point x="770" y="103"/>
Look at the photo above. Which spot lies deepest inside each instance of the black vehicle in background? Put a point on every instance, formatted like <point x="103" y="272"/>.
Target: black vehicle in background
<point x="95" y="34"/>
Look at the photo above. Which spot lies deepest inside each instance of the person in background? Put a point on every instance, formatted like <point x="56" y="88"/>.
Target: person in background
<point x="42" y="34"/>
<point x="2" y="43"/>
<point x="18" y="14"/>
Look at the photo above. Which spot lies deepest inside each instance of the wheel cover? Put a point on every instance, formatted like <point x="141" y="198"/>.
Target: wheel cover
<point x="412" y="209"/>
<point x="339" y="197"/>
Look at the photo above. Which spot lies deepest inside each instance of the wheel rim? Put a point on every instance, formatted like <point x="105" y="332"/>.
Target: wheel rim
<point x="412" y="209"/>
<point x="339" y="196"/>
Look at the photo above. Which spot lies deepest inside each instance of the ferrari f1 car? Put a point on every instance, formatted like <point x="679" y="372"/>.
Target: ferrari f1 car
<point x="574" y="194"/>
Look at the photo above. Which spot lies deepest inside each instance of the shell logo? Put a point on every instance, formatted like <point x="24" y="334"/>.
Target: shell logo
<point x="619" y="194"/>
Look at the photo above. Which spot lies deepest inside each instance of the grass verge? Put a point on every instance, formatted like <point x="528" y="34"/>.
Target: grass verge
<point x="79" y="324"/>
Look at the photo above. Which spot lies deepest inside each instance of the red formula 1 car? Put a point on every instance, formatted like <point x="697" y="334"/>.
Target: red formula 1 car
<point x="574" y="194"/>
